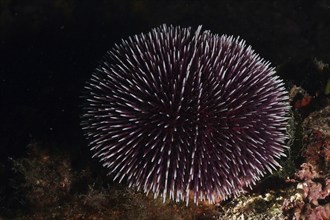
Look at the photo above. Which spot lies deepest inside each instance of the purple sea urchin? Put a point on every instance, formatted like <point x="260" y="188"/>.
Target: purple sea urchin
<point x="173" y="111"/>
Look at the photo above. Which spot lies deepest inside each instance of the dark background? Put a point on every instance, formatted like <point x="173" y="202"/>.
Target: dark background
<point x="48" y="49"/>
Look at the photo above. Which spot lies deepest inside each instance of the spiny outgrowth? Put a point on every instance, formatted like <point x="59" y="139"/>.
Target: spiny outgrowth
<point x="175" y="111"/>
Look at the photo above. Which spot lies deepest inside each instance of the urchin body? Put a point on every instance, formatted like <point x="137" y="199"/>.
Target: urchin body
<point x="175" y="111"/>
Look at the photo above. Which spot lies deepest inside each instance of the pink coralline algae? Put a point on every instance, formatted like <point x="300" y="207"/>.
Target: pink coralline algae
<point x="312" y="198"/>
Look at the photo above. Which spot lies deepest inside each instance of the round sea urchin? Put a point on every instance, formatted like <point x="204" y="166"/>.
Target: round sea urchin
<point x="175" y="111"/>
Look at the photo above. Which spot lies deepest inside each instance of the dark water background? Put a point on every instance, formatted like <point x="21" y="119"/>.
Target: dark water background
<point x="48" y="49"/>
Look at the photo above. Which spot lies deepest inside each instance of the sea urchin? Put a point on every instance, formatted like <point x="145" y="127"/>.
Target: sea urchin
<point x="175" y="111"/>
